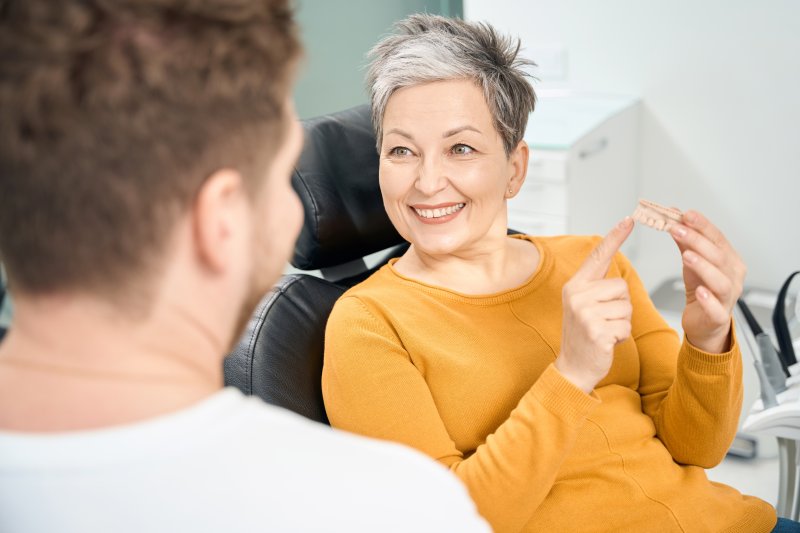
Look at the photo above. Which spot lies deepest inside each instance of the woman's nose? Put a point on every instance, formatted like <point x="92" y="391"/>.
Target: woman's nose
<point x="431" y="178"/>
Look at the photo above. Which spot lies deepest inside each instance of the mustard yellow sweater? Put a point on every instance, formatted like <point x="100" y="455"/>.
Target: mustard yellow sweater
<point x="469" y="380"/>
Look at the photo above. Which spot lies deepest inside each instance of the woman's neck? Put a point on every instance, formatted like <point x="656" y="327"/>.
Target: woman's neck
<point x="485" y="269"/>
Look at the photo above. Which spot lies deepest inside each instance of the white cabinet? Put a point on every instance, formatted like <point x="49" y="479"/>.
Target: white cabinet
<point x="582" y="174"/>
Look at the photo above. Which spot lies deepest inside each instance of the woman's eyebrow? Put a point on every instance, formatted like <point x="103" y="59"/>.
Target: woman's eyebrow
<point x="400" y="132"/>
<point x="459" y="129"/>
<point x="445" y="135"/>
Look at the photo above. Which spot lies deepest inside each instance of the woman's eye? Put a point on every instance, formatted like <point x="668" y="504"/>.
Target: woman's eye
<point x="462" y="149"/>
<point x="400" y="151"/>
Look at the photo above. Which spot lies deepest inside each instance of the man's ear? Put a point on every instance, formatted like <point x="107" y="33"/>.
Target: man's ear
<point x="518" y="161"/>
<point x="217" y="216"/>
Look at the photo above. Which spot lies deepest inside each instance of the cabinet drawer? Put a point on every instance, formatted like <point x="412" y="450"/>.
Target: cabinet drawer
<point x="536" y="223"/>
<point x="541" y="197"/>
<point x="547" y="165"/>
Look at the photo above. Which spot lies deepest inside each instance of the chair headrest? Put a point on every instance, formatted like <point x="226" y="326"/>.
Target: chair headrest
<point x="336" y="178"/>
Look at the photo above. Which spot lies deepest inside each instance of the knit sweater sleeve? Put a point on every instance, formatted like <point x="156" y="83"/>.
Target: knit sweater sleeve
<point x="693" y="397"/>
<point x="370" y="386"/>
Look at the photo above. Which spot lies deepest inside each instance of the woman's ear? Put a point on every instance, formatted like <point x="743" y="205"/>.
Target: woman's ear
<point x="218" y="218"/>
<point x="518" y="165"/>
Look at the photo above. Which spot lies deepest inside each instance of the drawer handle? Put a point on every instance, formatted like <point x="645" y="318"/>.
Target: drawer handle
<point x="593" y="149"/>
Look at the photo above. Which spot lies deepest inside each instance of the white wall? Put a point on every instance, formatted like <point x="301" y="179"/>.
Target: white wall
<point x="337" y="36"/>
<point x="720" y="86"/>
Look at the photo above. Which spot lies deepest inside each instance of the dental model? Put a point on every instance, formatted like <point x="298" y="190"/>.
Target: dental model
<point x="656" y="216"/>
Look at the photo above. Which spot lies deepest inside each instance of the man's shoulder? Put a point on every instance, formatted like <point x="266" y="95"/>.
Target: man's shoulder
<point x="228" y="453"/>
<point x="343" y="467"/>
<point x="342" y="449"/>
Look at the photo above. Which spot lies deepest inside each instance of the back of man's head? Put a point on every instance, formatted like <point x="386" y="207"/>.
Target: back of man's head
<point x="114" y="112"/>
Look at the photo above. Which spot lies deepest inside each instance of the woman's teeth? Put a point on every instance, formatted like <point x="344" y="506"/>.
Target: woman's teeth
<point x="436" y="213"/>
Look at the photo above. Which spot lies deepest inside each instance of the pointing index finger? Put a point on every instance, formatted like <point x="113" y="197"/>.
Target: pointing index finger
<point x="596" y="265"/>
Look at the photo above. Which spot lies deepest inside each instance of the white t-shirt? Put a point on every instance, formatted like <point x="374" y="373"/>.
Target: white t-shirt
<point x="228" y="464"/>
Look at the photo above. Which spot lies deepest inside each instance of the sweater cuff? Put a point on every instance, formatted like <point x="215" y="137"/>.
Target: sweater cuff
<point x="562" y="397"/>
<point x="701" y="362"/>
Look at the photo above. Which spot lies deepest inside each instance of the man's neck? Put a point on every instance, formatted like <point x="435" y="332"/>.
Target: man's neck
<point x="77" y="363"/>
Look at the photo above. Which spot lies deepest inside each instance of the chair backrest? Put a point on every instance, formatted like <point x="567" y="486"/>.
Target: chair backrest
<point x="2" y="301"/>
<point x="279" y="358"/>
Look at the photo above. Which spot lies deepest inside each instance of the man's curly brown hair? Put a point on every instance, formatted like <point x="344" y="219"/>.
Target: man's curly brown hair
<point x="112" y="115"/>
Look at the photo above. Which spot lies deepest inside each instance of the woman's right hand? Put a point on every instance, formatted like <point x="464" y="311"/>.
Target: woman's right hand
<point x="597" y="314"/>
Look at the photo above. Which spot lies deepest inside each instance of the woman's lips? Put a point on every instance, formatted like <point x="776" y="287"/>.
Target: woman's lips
<point x="437" y="214"/>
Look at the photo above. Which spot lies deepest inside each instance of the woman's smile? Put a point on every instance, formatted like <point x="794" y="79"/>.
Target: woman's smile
<point x="437" y="214"/>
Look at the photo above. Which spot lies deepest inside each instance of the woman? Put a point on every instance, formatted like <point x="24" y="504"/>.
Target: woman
<point x="536" y="369"/>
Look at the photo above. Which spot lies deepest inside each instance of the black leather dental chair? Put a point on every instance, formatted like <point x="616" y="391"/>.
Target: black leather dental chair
<point x="279" y="358"/>
<point x="2" y="300"/>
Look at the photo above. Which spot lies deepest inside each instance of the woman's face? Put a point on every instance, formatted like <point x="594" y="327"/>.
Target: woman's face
<point x="444" y="174"/>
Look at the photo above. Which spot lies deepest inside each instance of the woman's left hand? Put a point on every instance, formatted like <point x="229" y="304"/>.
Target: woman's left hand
<point x="714" y="276"/>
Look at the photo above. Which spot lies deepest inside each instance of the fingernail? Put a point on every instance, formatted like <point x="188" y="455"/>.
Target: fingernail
<point x="679" y="231"/>
<point x="689" y="257"/>
<point x="624" y="223"/>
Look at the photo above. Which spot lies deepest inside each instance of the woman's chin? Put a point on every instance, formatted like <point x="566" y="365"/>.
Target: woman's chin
<point x="436" y="244"/>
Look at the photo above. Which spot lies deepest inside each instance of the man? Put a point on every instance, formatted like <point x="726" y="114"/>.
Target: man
<point x="145" y="206"/>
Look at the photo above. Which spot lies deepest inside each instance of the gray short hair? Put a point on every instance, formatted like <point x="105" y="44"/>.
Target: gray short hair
<point x="426" y="48"/>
